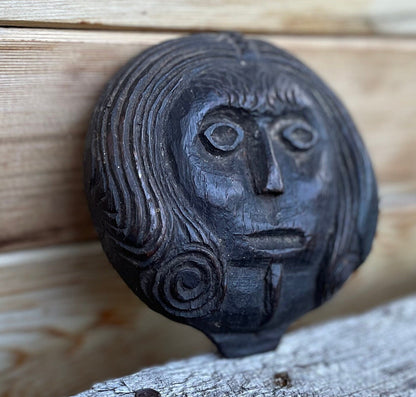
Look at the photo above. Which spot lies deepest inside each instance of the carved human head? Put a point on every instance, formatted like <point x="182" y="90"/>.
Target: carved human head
<point x="229" y="187"/>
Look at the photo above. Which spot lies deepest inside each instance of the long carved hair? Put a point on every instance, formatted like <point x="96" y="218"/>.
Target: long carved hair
<point x="149" y="230"/>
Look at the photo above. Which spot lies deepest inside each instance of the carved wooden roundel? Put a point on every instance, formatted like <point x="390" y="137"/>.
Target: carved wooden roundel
<point x="229" y="187"/>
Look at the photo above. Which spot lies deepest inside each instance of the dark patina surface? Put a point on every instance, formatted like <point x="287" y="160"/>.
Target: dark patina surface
<point x="229" y="187"/>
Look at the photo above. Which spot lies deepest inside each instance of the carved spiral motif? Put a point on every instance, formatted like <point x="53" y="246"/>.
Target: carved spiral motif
<point x="189" y="283"/>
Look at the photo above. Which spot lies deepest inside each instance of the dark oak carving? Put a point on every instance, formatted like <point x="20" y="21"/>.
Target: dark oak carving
<point x="229" y="187"/>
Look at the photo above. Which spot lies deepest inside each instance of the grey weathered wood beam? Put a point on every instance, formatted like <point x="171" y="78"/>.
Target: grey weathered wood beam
<point x="372" y="354"/>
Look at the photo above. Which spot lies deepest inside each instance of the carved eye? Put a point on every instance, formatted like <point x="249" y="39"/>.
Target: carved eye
<point x="299" y="134"/>
<point x="224" y="136"/>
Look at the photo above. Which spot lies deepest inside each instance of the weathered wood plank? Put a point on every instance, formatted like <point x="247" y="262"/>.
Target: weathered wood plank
<point x="67" y="320"/>
<point x="367" y="355"/>
<point x="317" y="16"/>
<point x="50" y="80"/>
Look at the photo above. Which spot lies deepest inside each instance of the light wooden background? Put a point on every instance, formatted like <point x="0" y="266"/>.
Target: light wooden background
<point x="66" y="320"/>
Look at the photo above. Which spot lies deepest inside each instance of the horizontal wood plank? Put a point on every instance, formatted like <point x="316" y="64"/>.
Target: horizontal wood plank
<point x="283" y="16"/>
<point x="368" y="355"/>
<point x="50" y="80"/>
<point x="67" y="319"/>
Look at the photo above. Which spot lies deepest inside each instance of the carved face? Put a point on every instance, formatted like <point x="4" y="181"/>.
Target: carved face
<point x="262" y="178"/>
<point x="229" y="187"/>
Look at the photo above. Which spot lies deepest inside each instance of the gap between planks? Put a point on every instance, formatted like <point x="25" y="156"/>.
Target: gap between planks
<point x="310" y="17"/>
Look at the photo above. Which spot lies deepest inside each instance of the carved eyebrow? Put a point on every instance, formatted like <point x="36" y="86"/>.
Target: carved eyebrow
<point x="272" y="100"/>
<point x="274" y="93"/>
<point x="263" y="93"/>
<point x="285" y="91"/>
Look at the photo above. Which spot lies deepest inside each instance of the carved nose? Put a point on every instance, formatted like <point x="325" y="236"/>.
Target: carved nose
<point x="264" y="167"/>
<point x="274" y="181"/>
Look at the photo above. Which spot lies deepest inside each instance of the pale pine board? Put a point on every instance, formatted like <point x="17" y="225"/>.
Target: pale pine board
<point x="368" y="355"/>
<point x="67" y="320"/>
<point x="283" y="16"/>
<point x="50" y="80"/>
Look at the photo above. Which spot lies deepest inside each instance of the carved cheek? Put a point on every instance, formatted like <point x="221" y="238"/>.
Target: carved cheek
<point x="216" y="190"/>
<point x="326" y="167"/>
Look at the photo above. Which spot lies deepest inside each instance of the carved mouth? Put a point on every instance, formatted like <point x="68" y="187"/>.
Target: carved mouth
<point x="276" y="239"/>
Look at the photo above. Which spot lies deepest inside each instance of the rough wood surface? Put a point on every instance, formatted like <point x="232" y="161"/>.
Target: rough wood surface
<point x="317" y="16"/>
<point x="50" y="80"/>
<point x="67" y="320"/>
<point x="368" y="355"/>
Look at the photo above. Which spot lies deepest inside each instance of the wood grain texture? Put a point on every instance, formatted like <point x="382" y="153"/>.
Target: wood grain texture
<point x="67" y="320"/>
<point x="50" y="80"/>
<point x="307" y="16"/>
<point x="349" y="357"/>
